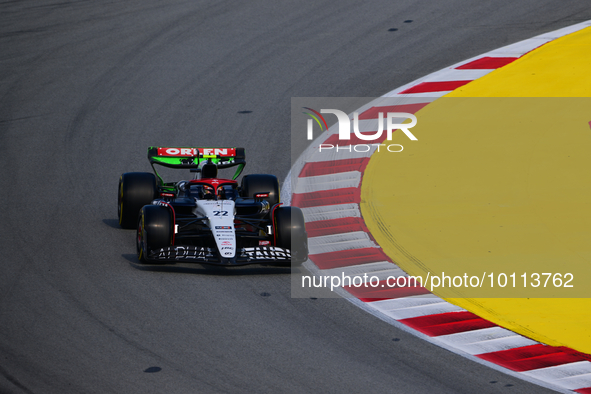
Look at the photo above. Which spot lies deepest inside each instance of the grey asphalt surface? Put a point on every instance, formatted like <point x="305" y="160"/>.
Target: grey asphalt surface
<point x="87" y="86"/>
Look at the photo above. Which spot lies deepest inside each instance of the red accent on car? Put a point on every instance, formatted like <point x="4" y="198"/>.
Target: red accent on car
<point x="182" y="152"/>
<point x="194" y="152"/>
<point x="261" y="195"/>
<point x="167" y="194"/>
<point x="213" y="182"/>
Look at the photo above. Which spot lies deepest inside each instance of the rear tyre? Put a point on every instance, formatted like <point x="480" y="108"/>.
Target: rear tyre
<point x="260" y="183"/>
<point x="136" y="189"/>
<point x="154" y="230"/>
<point x="290" y="233"/>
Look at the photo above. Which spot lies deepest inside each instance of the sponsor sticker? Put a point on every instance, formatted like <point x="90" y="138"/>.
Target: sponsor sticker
<point x="194" y="152"/>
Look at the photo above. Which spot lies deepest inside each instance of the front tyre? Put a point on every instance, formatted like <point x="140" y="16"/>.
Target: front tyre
<point x="290" y="233"/>
<point x="136" y="189"/>
<point x="155" y="230"/>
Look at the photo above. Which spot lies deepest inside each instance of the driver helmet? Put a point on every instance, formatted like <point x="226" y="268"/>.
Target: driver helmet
<point x="221" y="193"/>
<point x="208" y="193"/>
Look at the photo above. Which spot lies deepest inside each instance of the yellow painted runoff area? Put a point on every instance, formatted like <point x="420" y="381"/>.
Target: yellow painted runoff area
<point x="499" y="182"/>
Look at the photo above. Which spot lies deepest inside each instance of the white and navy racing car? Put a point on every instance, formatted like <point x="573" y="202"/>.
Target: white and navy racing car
<point x="208" y="219"/>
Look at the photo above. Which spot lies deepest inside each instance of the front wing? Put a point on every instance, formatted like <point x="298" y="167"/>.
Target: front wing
<point x="205" y="255"/>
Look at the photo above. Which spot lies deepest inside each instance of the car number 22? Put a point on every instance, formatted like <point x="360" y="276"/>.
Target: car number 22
<point x="220" y="213"/>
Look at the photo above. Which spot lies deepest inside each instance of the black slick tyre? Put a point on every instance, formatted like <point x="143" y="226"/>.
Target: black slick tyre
<point x="155" y="230"/>
<point x="290" y="233"/>
<point x="136" y="189"/>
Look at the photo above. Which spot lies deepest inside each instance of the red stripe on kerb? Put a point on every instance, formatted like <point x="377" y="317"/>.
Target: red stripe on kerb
<point x="487" y="63"/>
<point x="382" y="291"/>
<point x="373" y="112"/>
<point x="335" y="226"/>
<point x="586" y="390"/>
<point x="334" y="139"/>
<point x="447" y="323"/>
<point x="334" y="167"/>
<point x="345" y="258"/>
<point x="530" y="357"/>
<point x="428" y="87"/>
<point x="326" y="197"/>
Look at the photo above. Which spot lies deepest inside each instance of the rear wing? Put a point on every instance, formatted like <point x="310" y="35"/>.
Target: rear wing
<point x="192" y="157"/>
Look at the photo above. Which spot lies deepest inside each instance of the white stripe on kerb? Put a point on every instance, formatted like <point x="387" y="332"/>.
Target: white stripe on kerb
<point x="571" y="376"/>
<point x="382" y="270"/>
<point x="338" y="242"/>
<point x="452" y="74"/>
<point x="404" y="308"/>
<point x="406" y="302"/>
<point x="519" y="48"/>
<point x="328" y="182"/>
<point x="331" y="212"/>
<point x="486" y="340"/>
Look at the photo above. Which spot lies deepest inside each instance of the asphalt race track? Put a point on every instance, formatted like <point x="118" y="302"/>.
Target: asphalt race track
<point x="87" y="86"/>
